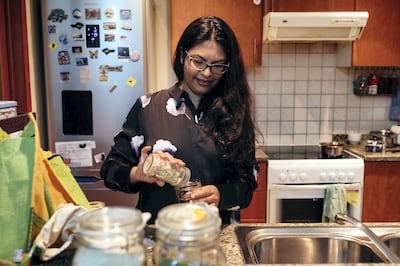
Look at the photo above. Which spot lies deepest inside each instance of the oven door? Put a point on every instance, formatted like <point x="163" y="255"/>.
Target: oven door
<point x="304" y="203"/>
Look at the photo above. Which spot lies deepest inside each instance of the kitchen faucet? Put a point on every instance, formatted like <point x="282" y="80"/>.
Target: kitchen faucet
<point x="340" y="218"/>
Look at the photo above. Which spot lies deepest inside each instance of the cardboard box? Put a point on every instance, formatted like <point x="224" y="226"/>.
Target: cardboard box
<point x="8" y="109"/>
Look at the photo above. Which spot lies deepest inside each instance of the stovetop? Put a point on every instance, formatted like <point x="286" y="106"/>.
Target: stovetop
<point x="295" y="152"/>
<point x="304" y="164"/>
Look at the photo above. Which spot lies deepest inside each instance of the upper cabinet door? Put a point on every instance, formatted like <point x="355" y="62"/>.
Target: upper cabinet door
<point x="380" y="42"/>
<point x="309" y="5"/>
<point x="244" y="17"/>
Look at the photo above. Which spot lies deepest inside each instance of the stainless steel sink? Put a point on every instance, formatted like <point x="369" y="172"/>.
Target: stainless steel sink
<point x="313" y="245"/>
<point x="393" y="242"/>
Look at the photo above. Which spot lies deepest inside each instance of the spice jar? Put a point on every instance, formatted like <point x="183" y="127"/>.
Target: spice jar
<point x="373" y="84"/>
<point x="175" y="175"/>
<point x="188" y="234"/>
<point x="111" y="236"/>
<point x="184" y="192"/>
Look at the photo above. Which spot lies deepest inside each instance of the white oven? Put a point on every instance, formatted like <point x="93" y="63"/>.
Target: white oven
<point x="298" y="178"/>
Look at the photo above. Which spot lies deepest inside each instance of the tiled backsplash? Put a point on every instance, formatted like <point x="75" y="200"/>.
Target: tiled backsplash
<point x="302" y="97"/>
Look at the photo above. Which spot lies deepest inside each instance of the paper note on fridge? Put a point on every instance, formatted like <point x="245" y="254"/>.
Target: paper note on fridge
<point x="76" y="153"/>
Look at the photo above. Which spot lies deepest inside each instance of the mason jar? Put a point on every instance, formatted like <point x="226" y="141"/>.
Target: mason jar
<point x="111" y="236"/>
<point x="175" y="175"/>
<point x="188" y="234"/>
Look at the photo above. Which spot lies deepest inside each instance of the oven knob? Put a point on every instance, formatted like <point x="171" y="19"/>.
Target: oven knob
<point x="351" y="176"/>
<point x="323" y="176"/>
<point x="332" y="176"/>
<point x="342" y="176"/>
<point x="293" y="177"/>
<point x="282" y="177"/>
<point x="303" y="176"/>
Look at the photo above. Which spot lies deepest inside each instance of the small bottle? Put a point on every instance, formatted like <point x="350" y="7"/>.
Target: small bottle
<point x="188" y="234"/>
<point x="175" y="175"/>
<point x="383" y="84"/>
<point x="111" y="236"/>
<point x="373" y="84"/>
<point x="394" y="80"/>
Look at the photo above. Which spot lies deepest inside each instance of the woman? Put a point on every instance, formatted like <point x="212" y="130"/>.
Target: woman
<point x="203" y="121"/>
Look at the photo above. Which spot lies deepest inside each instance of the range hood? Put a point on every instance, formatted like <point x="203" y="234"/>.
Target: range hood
<point x="314" y="26"/>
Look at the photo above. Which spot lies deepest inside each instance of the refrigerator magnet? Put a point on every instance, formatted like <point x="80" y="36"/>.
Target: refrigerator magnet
<point x="65" y="76"/>
<point x="93" y="13"/>
<point x="77" y="13"/>
<point x="52" y="29"/>
<point x="123" y="53"/>
<point x="108" y="50"/>
<point x="112" y="88"/>
<point x="63" y="58"/>
<point x="125" y="14"/>
<point x="94" y="54"/>
<point x="57" y="15"/>
<point x="135" y="56"/>
<point x="53" y="45"/>
<point x="131" y="82"/>
<point x="109" y="13"/>
<point x="103" y="73"/>
<point x="126" y="26"/>
<point x="84" y="75"/>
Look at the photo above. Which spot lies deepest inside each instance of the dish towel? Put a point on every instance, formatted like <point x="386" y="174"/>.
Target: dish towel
<point x="57" y="234"/>
<point x="334" y="202"/>
<point x="394" y="112"/>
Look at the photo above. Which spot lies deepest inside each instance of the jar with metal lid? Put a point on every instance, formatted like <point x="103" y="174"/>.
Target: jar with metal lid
<point x="111" y="236"/>
<point x="188" y="234"/>
<point x="175" y="175"/>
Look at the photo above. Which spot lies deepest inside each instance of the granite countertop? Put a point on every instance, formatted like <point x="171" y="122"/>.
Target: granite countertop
<point x="391" y="154"/>
<point x="261" y="157"/>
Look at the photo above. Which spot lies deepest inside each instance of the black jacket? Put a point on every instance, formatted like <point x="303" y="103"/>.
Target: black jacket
<point x="170" y="115"/>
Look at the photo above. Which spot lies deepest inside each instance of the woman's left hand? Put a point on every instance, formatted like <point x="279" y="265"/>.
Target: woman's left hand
<point x="209" y="194"/>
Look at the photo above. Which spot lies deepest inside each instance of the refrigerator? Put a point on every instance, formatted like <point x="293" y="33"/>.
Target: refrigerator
<point x="95" y="60"/>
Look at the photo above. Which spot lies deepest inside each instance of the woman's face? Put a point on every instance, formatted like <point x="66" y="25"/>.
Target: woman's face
<point x="202" y="82"/>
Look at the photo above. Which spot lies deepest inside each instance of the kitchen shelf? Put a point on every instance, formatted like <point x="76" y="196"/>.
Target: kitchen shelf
<point x="372" y="95"/>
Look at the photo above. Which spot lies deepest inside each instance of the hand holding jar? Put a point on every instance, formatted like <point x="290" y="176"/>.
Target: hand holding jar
<point x="159" y="167"/>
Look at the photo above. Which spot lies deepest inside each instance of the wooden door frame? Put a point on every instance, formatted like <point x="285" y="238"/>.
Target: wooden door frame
<point x="14" y="58"/>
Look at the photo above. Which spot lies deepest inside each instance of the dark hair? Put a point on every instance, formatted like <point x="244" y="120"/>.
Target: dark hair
<point x="229" y="116"/>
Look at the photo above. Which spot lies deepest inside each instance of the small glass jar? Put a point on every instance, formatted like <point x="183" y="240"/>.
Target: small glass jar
<point x="184" y="192"/>
<point x="188" y="234"/>
<point x="111" y="236"/>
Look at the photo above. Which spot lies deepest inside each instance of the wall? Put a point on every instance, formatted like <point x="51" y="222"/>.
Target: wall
<point x="302" y="97"/>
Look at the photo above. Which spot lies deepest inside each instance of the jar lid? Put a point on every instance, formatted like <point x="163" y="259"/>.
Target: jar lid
<point x="111" y="220"/>
<point x="189" y="222"/>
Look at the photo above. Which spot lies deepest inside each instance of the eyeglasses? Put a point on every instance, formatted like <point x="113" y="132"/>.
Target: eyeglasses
<point x="217" y="69"/>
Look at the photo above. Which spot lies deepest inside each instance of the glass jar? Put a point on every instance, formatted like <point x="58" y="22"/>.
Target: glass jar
<point x="188" y="234"/>
<point x="175" y="175"/>
<point x="111" y="236"/>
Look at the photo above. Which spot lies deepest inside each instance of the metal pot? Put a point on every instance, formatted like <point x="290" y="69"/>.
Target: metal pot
<point x="395" y="129"/>
<point x="332" y="149"/>
<point x="386" y="136"/>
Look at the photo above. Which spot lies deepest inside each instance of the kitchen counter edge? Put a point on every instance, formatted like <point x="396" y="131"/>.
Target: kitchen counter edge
<point x="388" y="156"/>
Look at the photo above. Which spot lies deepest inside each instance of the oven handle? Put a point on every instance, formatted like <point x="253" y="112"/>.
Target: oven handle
<point x="351" y="186"/>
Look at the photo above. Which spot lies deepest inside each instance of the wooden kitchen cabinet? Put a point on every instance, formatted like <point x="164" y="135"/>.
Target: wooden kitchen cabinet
<point x="380" y="42"/>
<point x="256" y="212"/>
<point x="381" y="201"/>
<point x="309" y="5"/>
<point x="244" y="17"/>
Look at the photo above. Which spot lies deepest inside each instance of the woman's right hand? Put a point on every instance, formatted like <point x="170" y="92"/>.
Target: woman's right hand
<point x="136" y="173"/>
